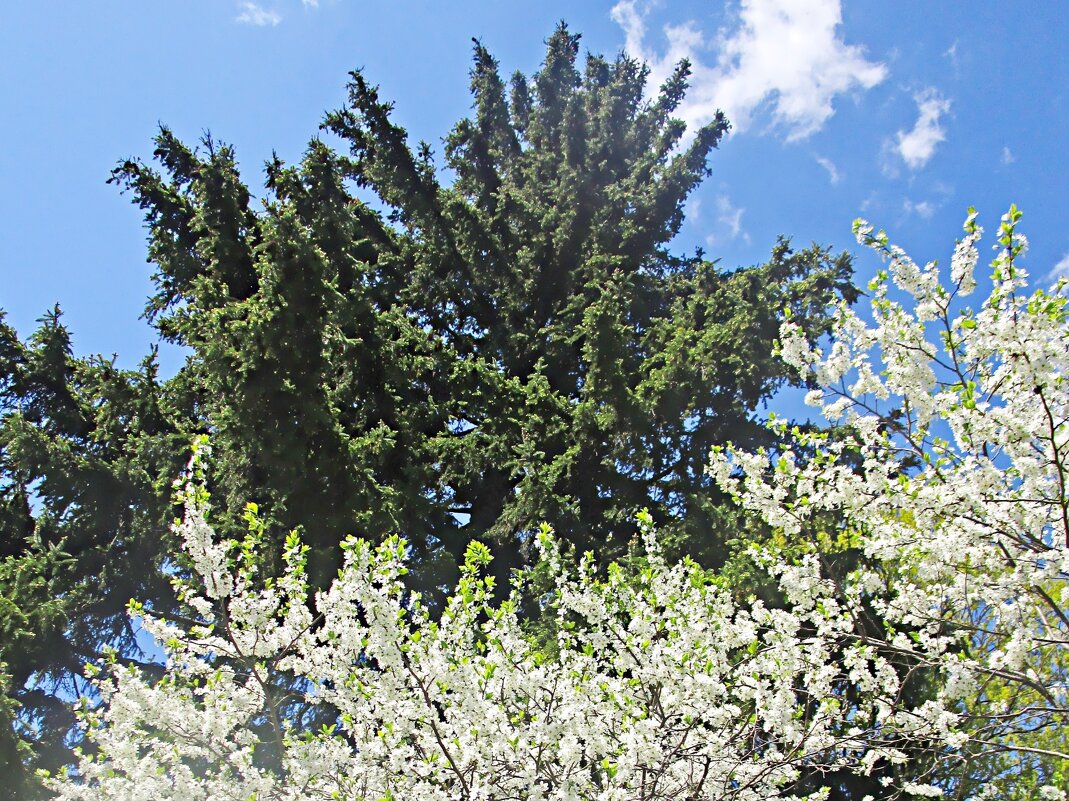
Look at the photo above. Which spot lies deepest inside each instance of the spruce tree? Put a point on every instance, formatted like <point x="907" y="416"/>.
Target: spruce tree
<point x="376" y="350"/>
<point x="87" y="457"/>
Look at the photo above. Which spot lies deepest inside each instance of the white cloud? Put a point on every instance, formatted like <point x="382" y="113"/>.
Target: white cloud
<point x="833" y="172"/>
<point x="951" y="54"/>
<point x="1007" y="156"/>
<point x="730" y="218"/>
<point x="1061" y="269"/>
<point x="917" y="146"/>
<point x="786" y="55"/>
<point x="310" y="3"/>
<point x="923" y="209"/>
<point x="889" y="162"/>
<point x="729" y="215"/>
<point x="253" y="14"/>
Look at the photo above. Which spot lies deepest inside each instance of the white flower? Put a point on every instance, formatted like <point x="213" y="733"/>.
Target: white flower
<point x="922" y="790"/>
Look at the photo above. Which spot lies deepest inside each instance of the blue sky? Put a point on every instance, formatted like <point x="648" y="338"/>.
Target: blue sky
<point x="905" y="113"/>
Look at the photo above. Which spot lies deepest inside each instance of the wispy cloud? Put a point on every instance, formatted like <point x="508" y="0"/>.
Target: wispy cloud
<point x="916" y="147"/>
<point x="923" y="209"/>
<point x="253" y="14"/>
<point x="310" y="3"/>
<point x="728" y="223"/>
<point x="951" y="54"/>
<point x="829" y="166"/>
<point x="786" y="55"/>
<point x="1061" y="269"/>
<point x="729" y="215"/>
<point x="1007" y="156"/>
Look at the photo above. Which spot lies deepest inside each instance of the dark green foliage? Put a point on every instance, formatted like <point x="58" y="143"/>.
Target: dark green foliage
<point x="87" y="456"/>
<point x="376" y="350"/>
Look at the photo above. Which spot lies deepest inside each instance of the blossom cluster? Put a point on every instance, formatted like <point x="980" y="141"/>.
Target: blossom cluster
<point x="661" y="687"/>
<point x="951" y="481"/>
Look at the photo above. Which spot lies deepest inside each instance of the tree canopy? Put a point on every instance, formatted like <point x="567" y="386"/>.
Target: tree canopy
<point x="456" y="349"/>
<point x="376" y="351"/>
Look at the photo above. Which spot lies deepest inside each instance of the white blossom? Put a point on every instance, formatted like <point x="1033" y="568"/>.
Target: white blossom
<point x="960" y="499"/>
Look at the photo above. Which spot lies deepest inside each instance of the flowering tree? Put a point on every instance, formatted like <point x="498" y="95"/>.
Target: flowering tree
<point x="661" y="688"/>
<point x="952" y="484"/>
<point x="661" y="685"/>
